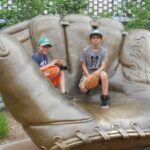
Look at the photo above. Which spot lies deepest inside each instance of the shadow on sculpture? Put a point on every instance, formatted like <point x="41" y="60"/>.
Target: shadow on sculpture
<point x="53" y="122"/>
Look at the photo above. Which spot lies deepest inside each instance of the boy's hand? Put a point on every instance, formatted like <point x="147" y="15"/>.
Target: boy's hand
<point x="60" y="62"/>
<point x="53" y="62"/>
<point x="97" y="72"/>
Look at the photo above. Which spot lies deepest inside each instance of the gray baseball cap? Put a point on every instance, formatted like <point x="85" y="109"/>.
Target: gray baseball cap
<point x="96" y="32"/>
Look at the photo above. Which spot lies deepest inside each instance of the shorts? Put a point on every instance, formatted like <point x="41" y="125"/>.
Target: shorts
<point x="53" y="73"/>
<point x="82" y="80"/>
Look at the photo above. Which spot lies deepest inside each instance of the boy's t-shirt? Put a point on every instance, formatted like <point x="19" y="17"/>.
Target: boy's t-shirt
<point x="53" y="72"/>
<point x="93" y="59"/>
<point x="41" y="60"/>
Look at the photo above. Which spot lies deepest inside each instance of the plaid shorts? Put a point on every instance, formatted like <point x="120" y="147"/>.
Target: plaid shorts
<point x="82" y="80"/>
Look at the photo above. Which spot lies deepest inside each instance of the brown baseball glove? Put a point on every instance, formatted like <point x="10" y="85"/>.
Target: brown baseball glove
<point x="91" y="82"/>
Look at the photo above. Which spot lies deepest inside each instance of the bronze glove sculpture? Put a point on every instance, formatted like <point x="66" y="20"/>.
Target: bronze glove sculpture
<point x="56" y="123"/>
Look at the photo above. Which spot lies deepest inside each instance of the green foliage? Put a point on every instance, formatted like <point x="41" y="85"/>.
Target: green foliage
<point x="106" y="14"/>
<point x="137" y="14"/>
<point x="3" y="126"/>
<point x="20" y="10"/>
<point x="65" y="7"/>
<point x="133" y="14"/>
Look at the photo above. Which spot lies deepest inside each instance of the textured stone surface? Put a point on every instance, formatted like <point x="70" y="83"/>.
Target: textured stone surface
<point x="45" y="114"/>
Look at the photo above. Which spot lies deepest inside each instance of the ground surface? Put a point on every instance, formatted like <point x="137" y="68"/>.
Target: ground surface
<point x="16" y="131"/>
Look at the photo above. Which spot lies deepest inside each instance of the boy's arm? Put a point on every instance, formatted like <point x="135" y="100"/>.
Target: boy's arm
<point x="83" y="60"/>
<point x="85" y="70"/>
<point x="52" y="63"/>
<point x="101" y="68"/>
<point x="44" y="67"/>
<point x="103" y="65"/>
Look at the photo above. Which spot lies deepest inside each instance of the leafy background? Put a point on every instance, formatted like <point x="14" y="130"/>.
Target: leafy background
<point x="133" y="13"/>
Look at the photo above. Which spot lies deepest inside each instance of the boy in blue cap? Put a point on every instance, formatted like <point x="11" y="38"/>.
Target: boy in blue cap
<point x="93" y="61"/>
<point x="52" y="70"/>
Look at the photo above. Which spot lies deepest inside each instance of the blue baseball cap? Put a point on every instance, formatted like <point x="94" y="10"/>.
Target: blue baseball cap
<point x="44" y="41"/>
<point x="96" y="32"/>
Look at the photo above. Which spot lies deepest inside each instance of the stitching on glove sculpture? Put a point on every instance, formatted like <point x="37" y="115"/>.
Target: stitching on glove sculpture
<point x="53" y="122"/>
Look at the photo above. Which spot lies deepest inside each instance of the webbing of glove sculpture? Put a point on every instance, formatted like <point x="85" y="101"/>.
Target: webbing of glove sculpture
<point x="133" y="75"/>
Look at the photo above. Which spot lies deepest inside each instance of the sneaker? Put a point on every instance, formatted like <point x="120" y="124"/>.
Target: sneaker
<point x="66" y="94"/>
<point x="105" y="101"/>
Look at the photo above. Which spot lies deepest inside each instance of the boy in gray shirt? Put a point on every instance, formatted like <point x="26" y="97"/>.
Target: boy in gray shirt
<point x="93" y="61"/>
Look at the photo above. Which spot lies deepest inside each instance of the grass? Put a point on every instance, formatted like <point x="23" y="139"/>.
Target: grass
<point x="4" y="129"/>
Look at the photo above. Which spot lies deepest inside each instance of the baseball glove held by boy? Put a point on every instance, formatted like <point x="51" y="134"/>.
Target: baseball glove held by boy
<point x="91" y="82"/>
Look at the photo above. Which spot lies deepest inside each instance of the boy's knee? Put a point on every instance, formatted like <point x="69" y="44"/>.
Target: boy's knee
<point x="83" y="89"/>
<point x="103" y="75"/>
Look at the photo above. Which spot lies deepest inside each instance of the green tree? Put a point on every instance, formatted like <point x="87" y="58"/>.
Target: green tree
<point x="136" y="13"/>
<point x="65" y="7"/>
<point x="20" y="10"/>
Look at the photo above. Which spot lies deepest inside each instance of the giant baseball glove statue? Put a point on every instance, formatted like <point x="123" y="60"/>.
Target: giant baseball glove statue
<point x="55" y="123"/>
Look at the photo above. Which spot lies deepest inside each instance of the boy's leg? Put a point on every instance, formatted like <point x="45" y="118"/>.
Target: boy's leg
<point x="81" y="85"/>
<point x="83" y="89"/>
<point x="62" y="85"/>
<point x="104" y="81"/>
<point x="62" y="82"/>
<point x="105" y="101"/>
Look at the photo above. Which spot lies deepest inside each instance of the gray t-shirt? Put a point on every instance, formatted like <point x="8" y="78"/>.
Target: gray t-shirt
<point x="93" y="59"/>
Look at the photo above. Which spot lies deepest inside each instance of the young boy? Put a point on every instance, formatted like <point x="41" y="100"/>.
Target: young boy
<point x="52" y="70"/>
<point x="93" y="61"/>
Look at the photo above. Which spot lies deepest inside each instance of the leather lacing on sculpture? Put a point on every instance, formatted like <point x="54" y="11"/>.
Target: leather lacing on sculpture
<point x="99" y="135"/>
